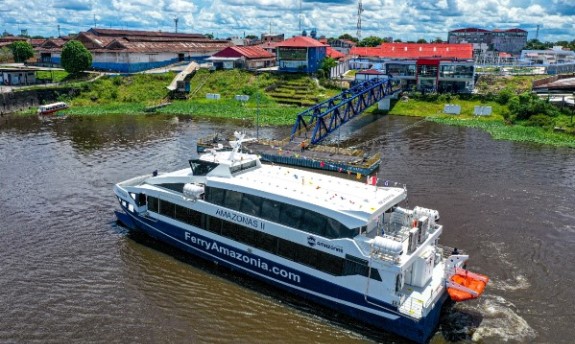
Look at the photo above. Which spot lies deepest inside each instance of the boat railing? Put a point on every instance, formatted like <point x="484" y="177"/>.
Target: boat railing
<point x="135" y="181"/>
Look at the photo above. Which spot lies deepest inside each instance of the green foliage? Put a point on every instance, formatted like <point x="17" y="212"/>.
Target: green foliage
<point x="540" y="120"/>
<point x="75" y="57"/>
<point x="371" y="41"/>
<point x="54" y="75"/>
<point x="505" y="95"/>
<point x="527" y="104"/>
<point x="22" y="51"/>
<point x="5" y="55"/>
<point x="348" y="37"/>
<point x="326" y="65"/>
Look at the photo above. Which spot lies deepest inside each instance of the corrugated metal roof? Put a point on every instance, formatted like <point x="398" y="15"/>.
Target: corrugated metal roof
<point x="250" y="52"/>
<point x="116" y="33"/>
<point x="470" y="29"/>
<point x="415" y="50"/>
<point x="334" y="54"/>
<point x="159" y="47"/>
<point x="301" y="42"/>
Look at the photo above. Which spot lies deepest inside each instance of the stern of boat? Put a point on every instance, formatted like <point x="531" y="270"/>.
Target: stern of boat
<point x="461" y="283"/>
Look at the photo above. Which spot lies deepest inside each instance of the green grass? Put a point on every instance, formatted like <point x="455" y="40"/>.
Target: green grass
<point x="500" y="131"/>
<point x="131" y="95"/>
<point x="54" y="76"/>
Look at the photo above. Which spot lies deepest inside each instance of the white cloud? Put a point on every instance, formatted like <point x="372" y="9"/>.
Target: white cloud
<point x="404" y="19"/>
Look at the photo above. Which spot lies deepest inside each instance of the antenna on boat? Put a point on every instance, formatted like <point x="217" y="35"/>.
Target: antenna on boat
<point x="237" y="144"/>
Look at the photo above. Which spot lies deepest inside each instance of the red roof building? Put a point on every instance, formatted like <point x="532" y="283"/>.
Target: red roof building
<point x="301" y="42"/>
<point x="247" y="57"/>
<point x="300" y="54"/>
<point x="415" y="51"/>
<point x="334" y="54"/>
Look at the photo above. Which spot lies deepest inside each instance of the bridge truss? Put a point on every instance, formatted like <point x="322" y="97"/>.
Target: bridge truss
<point x="325" y="117"/>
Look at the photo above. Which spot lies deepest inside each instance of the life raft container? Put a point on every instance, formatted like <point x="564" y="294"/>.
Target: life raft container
<point x="466" y="285"/>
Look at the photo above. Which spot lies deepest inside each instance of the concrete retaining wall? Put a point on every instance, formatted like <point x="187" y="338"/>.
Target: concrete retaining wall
<point x="22" y="100"/>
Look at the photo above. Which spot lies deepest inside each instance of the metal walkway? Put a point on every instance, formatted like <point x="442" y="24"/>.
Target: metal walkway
<point x="191" y="68"/>
<point x="325" y="117"/>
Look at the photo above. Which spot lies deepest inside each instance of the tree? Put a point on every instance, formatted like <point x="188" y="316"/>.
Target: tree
<point x="421" y="41"/>
<point x="21" y="51"/>
<point x="371" y="41"/>
<point x="327" y="64"/>
<point x="5" y="55"/>
<point x="348" y="37"/>
<point x="75" y="57"/>
<point x="437" y="40"/>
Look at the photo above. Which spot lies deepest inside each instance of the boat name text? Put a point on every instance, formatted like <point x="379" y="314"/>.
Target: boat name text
<point x="238" y="218"/>
<point x="207" y="245"/>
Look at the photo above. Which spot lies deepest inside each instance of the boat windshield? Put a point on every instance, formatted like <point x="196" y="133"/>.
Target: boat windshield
<point x="202" y="167"/>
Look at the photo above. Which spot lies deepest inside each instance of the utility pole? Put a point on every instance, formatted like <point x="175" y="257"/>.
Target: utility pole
<point x="59" y="35"/>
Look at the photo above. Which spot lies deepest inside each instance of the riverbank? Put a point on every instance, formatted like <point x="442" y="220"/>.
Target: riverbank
<point x="272" y="98"/>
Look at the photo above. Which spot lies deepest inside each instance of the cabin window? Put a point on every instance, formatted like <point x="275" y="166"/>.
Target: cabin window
<point x="271" y="210"/>
<point x="251" y="205"/>
<point x="215" y="195"/>
<point x="202" y="167"/>
<point x="279" y="212"/>
<point x="141" y="199"/>
<point x="184" y="214"/>
<point x="167" y="209"/>
<point x="153" y="204"/>
<point x="215" y="224"/>
<point x="314" y="222"/>
<point x="298" y="253"/>
<point x="291" y="216"/>
<point x="178" y="187"/>
<point x="233" y="200"/>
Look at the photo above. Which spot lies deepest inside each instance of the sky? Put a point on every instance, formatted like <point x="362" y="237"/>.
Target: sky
<point x="408" y="20"/>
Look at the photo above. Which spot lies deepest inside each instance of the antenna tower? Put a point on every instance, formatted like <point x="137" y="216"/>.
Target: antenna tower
<point x="300" y="14"/>
<point x="176" y="23"/>
<point x="359" y="10"/>
<point x="537" y="33"/>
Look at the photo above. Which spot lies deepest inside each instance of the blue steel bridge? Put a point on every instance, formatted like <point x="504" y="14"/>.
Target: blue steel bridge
<point x="320" y="120"/>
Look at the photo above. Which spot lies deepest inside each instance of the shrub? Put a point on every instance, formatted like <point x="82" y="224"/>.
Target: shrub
<point x="540" y="121"/>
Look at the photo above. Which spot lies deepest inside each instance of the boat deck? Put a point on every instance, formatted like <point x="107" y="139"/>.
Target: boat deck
<point x="317" y="157"/>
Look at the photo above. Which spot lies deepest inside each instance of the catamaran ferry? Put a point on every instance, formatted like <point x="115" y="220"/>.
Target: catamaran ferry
<point x="344" y="244"/>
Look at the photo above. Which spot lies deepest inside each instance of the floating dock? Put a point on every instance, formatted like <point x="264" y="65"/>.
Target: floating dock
<point x="319" y="157"/>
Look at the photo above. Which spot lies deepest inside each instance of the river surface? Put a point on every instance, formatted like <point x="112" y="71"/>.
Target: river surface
<point x="69" y="273"/>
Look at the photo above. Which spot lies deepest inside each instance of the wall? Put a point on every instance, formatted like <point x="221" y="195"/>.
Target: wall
<point x="23" y="100"/>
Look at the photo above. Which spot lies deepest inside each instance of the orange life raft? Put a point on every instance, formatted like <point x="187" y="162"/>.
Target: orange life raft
<point x="466" y="285"/>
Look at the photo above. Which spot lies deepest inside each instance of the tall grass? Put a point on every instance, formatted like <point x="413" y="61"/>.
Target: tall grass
<point x="500" y="131"/>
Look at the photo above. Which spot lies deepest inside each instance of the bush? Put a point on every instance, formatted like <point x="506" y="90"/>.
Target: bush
<point x="540" y="121"/>
<point x="504" y="96"/>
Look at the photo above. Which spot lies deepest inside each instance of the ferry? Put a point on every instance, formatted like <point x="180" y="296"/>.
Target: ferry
<point x="47" y="109"/>
<point x="351" y="246"/>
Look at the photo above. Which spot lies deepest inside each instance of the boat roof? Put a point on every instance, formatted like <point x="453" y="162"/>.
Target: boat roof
<point x="331" y="195"/>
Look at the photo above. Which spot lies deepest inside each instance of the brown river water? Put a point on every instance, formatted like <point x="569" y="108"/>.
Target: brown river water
<point x="70" y="274"/>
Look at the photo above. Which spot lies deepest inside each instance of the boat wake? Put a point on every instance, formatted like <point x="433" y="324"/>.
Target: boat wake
<point x="516" y="280"/>
<point x="501" y="323"/>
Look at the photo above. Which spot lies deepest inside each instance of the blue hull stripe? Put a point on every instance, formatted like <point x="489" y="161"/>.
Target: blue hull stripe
<point x="317" y="290"/>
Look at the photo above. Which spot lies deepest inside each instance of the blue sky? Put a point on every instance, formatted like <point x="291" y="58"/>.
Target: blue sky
<point x="400" y="19"/>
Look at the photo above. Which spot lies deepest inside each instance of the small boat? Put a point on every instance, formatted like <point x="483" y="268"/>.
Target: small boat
<point x="47" y="109"/>
<point x="466" y="285"/>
